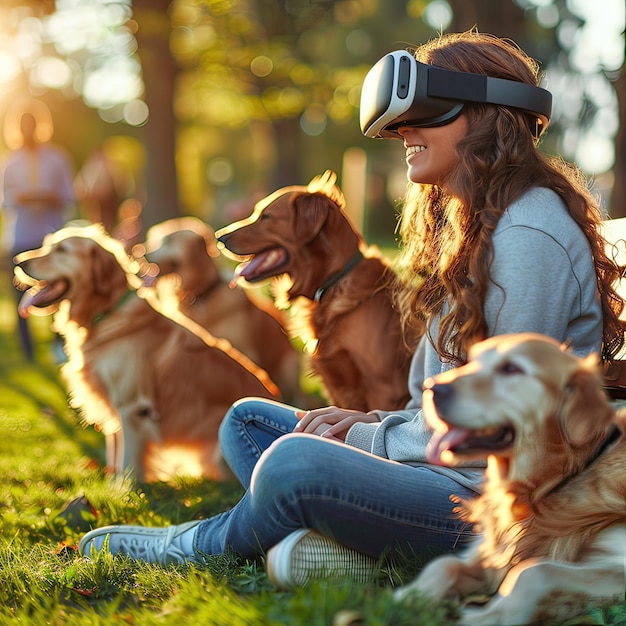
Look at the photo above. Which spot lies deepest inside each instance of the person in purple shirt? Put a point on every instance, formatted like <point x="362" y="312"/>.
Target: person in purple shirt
<point x="37" y="191"/>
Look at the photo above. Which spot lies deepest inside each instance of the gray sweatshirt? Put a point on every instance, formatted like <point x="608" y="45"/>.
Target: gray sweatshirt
<point x="543" y="280"/>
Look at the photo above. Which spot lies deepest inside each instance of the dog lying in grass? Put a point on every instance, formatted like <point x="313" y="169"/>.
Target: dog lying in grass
<point x="552" y="516"/>
<point x="340" y="289"/>
<point x="184" y="252"/>
<point x="151" y="385"/>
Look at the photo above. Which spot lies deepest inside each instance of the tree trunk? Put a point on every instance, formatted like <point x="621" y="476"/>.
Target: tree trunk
<point x="159" y="73"/>
<point x="504" y="19"/>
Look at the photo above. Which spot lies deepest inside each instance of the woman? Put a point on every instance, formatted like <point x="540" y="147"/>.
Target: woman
<point x="498" y="239"/>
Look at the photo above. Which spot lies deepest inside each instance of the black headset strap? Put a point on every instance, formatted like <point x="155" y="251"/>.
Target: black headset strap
<point x="467" y="87"/>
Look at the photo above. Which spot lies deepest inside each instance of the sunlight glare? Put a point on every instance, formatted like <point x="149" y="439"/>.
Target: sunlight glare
<point x="51" y="72"/>
<point x="116" y="82"/>
<point x="111" y="75"/>
<point x="136" y="112"/>
<point x="168" y="462"/>
<point x="9" y="67"/>
<point x="600" y="42"/>
<point x="594" y="153"/>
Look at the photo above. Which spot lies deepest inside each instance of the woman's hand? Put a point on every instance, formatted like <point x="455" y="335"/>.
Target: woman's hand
<point x="330" y="421"/>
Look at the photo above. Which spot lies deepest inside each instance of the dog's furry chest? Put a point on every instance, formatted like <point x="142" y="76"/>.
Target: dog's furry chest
<point x="559" y="525"/>
<point x="107" y="362"/>
<point x="110" y="364"/>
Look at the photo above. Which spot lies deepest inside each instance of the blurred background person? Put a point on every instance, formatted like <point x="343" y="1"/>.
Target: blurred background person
<point x="37" y="187"/>
<point x="101" y="186"/>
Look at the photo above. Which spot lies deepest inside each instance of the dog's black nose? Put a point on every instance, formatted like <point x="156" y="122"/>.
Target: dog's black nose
<point x="222" y="238"/>
<point x="442" y="394"/>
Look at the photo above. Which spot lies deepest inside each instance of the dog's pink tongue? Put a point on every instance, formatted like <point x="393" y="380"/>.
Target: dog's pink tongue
<point x="25" y="301"/>
<point x="248" y="269"/>
<point x="39" y="296"/>
<point x="441" y="444"/>
<point x="258" y="264"/>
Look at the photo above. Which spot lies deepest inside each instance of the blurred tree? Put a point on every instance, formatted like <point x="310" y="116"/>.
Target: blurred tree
<point x="283" y="79"/>
<point x="505" y="19"/>
<point x="261" y="75"/>
<point x="159" y="73"/>
<point x="248" y="95"/>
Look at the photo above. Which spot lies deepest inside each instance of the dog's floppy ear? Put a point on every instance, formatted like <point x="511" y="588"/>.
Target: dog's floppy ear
<point x="326" y="183"/>
<point x="311" y="212"/>
<point x="104" y="268"/>
<point x="586" y="410"/>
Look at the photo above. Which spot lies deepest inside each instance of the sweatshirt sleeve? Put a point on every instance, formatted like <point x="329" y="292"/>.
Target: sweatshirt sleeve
<point x="401" y="435"/>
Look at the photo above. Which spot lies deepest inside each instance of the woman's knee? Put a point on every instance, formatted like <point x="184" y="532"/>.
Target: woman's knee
<point x="237" y="414"/>
<point x="294" y="458"/>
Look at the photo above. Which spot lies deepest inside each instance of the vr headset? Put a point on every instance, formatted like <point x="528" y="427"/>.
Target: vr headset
<point x="401" y="91"/>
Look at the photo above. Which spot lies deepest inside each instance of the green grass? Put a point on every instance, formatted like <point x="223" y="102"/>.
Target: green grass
<point x="47" y="461"/>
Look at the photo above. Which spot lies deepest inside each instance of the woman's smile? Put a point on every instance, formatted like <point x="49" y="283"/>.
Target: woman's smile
<point x="412" y="150"/>
<point x="431" y="152"/>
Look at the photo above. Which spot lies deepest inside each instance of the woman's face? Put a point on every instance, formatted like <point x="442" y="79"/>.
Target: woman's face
<point x="431" y="152"/>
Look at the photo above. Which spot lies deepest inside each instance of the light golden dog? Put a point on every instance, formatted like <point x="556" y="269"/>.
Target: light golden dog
<point x="552" y="516"/>
<point x="342" y="287"/>
<point x="153" y="387"/>
<point x="184" y="251"/>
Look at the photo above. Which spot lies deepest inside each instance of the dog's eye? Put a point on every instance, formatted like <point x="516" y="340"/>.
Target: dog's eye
<point x="508" y="368"/>
<point x="61" y="247"/>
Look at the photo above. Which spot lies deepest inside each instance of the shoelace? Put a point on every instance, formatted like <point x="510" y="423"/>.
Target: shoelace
<point x="162" y="550"/>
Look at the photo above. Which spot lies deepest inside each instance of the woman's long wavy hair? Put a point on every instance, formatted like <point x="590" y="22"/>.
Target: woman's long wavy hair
<point x="446" y="238"/>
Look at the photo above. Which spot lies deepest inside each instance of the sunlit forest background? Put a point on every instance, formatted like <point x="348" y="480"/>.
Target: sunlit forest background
<point x="202" y="107"/>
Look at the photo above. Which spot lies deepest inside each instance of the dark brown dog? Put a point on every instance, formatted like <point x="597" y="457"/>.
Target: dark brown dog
<point x="552" y="516"/>
<point x="153" y="387"/>
<point x="343" y="288"/>
<point x="184" y="250"/>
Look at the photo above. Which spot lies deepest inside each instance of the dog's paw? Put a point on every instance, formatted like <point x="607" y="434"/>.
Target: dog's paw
<point x="511" y="611"/>
<point x="479" y="617"/>
<point x="436" y="581"/>
<point x="402" y="593"/>
<point x="421" y="586"/>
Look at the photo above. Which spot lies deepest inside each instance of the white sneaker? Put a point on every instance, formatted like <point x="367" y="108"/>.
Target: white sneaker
<point x="162" y="546"/>
<point x="305" y="554"/>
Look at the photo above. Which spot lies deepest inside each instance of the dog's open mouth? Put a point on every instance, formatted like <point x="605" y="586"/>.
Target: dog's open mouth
<point x="263" y="265"/>
<point x="457" y="443"/>
<point x="42" y="295"/>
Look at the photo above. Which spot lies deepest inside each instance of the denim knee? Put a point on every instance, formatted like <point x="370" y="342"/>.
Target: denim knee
<point x="235" y="415"/>
<point x="290" y="462"/>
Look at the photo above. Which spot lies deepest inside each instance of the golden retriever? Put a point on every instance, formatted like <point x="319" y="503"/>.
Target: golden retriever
<point x="552" y="516"/>
<point x="184" y="252"/>
<point x="153" y="387"/>
<point x="343" y="289"/>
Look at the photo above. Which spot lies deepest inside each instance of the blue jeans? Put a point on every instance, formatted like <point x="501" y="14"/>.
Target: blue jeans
<point x="296" y="480"/>
<point x="23" y="330"/>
